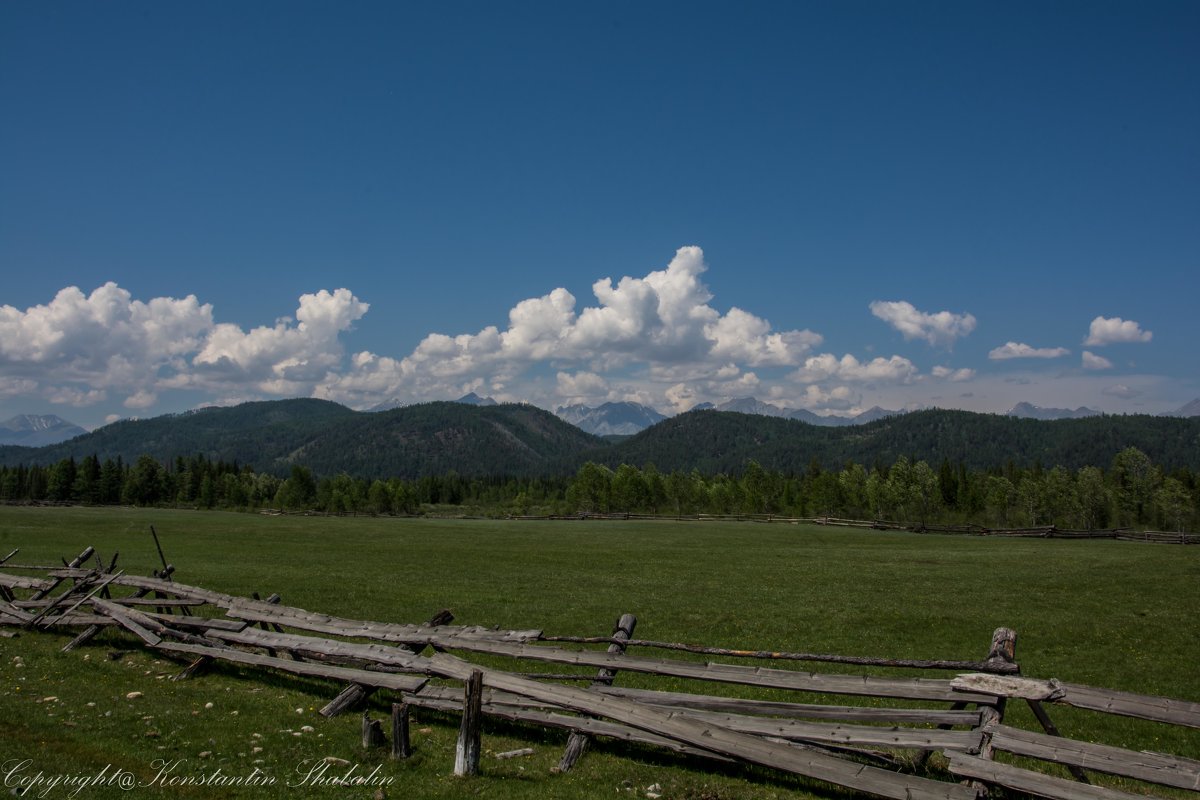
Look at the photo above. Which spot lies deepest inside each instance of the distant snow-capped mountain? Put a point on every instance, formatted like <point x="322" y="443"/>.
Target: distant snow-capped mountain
<point x="37" y="430"/>
<point x="609" y="419"/>
<point x="470" y="399"/>
<point x="750" y="405"/>
<point x="1191" y="409"/>
<point x="1030" y="411"/>
<point x="473" y="399"/>
<point x="834" y="420"/>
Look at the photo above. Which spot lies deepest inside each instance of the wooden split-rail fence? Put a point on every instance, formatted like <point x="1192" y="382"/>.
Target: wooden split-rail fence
<point x="879" y="746"/>
<point x="1038" y="531"/>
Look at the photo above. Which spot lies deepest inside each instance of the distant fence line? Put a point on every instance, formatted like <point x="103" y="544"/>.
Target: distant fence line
<point x="1041" y="532"/>
<point x="968" y="529"/>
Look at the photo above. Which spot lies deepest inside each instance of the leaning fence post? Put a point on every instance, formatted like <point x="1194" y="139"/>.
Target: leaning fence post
<point x="466" y="754"/>
<point x="578" y="742"/>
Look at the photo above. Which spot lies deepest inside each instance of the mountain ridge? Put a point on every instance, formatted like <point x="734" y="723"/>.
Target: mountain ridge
<point x="523" y="440"/>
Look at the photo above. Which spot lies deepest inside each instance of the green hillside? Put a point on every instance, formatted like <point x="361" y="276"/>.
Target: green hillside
<point x="716" y="441"/>
<point x="526" y="441"/>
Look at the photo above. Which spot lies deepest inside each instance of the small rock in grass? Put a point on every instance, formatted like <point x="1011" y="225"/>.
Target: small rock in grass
<point x="299" y="710"/>
<point x="133" y="695"/>
<point x="50" y="699"/>
<point x="340" y="762"/>
<point x="255" y="750"/>
<point x="205" y="753"/>
<point x="208" y="705"/>
<point x="308" y="728"/>
<point x="233" y="713"/>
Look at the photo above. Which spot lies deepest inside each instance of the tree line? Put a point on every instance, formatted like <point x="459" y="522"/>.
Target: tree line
<point x="1131" y="491"/>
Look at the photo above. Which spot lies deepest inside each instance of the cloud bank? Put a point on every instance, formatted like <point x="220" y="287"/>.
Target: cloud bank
<point x="657" y="339"/>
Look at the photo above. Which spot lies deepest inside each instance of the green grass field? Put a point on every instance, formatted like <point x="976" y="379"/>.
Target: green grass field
<point x="1112" y="614"/>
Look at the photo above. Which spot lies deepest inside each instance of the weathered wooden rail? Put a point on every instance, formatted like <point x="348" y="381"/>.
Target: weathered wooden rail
<point x="854" y="745"/>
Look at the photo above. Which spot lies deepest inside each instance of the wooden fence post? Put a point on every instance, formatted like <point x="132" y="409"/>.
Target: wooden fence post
<point x="466" y="754"/>
<point x="401" y="748"/>
<point x="578" y="742"/>
<point x="1004" y="648"/>
<point x="372" y="732"/>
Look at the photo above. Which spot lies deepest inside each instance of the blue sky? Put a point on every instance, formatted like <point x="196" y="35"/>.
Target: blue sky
<point x="826" y="205"/>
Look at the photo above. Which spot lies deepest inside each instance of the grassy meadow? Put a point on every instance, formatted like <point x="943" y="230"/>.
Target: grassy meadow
<point x="1105" y="613"/>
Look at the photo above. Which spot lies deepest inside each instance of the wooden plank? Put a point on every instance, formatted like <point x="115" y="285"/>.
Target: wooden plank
<point x="995" y="665"/>
<point x="715" y="738"/>
<point x="124" y="601"/>
<point x="1128" y="704"/>
<point x="308" y="645"/>
<point x="917" y="716"/>
<point x="845" y="735"/>
<point x="439" y="635"/>
<point x="442" y="698"/>
<point x="202" y="623"/>
<point x="792" y="730"/>
<point x="384" y="680"/>
<point x="261" y="611"/>
<point x="125" y="617"/>
<point x="821" y="683"/>
<point x="21" y="582"/>
<point x="1008" y="686"/>
<point x="1158" y="768"/>
<point x="219" y="599"/>
<point x="1035" y="783"/>
<point x="908" y="688"/>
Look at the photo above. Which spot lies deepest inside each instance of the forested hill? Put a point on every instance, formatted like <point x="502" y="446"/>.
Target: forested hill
<point x="254" y="433"/>
<point x="715" y="441"/>
<point x="438" y="438"/>
<point x="408" y="442"/>
<point x="525" y="441"/>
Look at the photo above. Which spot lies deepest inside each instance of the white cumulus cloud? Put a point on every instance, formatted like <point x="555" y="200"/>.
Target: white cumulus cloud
<point x="661" y="323"/>
<point x="1106" y="330"/>
<point x="953" y="375"/>
<point x="287" y="358"/>
<point x="1020" y="350"/>
<point x="1093" y="361"/>
<point x="581" y="387"/>
<point x="827" y="366"/>
<point x="940" y="328"/>
<point x="102" y="336"/>
<point x="77" y="346"/>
